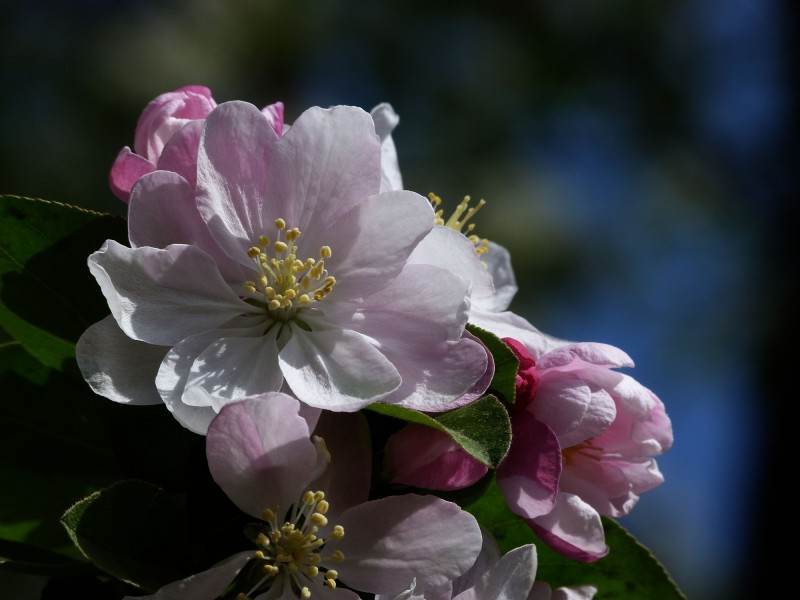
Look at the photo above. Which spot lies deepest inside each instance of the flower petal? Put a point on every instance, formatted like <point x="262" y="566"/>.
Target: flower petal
<point x="180" y="153"/>
<point x="236" y="366"/>
<point x="385" y="121"/>
<point x="574" y="356"/>
<point x="232" y="165"/>
<point x="161" y="296"/>
<point x="498" y="264"/>
<point x="347" y="479"/>
<point x="163" y="211"/>
<point x="337" y="370"/>
<point x="175" y="369"/>
<point x="117" y="367"/>
<point x="259" y="452"/>
<point x="372" y="243"/>
<point x="574" y="409"/>
<point x="166" y="114"/>
<point x="528" y="476"/>
<point x="126" y="170"/>
<point x="427" y="458"/>
<point x="325" y="165"/>
<point x="511" y="578"/>
<point x="207" y="585"/>
<point x="573" y="529"/>
<point x="509" y="325"/>
<point x="449" y="249"/>
<point x="390" y="541"/>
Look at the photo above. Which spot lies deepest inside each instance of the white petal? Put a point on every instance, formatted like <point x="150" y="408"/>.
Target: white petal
<point x="385" y="121"/>
<point x="447" y="248"/>
<point x="162" y="296"/>
<point x="510" y="579"/>
<point x="234" y="367"/>
<point x="336" y="370"/>
<point x="498" y="264"/>
<point x="372" y="243"/>
<point x="117" y="367"/>
<point x="507" y="324"/>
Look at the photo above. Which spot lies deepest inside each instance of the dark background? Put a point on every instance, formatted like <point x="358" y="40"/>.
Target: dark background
<point x="637" y="158"/>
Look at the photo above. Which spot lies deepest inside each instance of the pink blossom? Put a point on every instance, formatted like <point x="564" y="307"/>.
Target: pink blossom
<point x="167" y="137"/>
<point x="584" y="441"/>
<point x="317" y="527"/>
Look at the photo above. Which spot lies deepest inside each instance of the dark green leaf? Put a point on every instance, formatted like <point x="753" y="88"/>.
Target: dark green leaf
<point x="23" y="558"/>
<point x="132" y="531"/>
<point x="629" y="572"/>
<point x="53" y="450"/>
<point x="482" y="428"/>
<point x="47" y="295"/>
<point x="506" y="364"/>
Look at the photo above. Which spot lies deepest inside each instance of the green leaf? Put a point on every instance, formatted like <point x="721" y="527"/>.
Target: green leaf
<point x="54" y="448"/>
<point x="629" y="572"/>
<point x="482" y="428"/>
<point x="23" y="558"/>
<point x="506" y="364"/>
<point x="47" y="295"/>
<point x="132" y="531"/>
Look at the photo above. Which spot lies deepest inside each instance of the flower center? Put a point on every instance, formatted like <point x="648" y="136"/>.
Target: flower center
<point x="587" y="450"/>
<point x="285" y="282"/>
<point x="294" y="549"/>
<point x="459" y="218"/>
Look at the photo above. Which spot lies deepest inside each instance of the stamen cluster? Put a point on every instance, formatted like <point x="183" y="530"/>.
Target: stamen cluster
<point x="456" y="222"/>
<point x="286" y="282"/>
<point x="294" y="549"/>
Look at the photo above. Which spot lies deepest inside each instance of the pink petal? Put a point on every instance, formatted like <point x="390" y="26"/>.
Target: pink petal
<point x="325" y="165"/>
<point x="260" y="454"/>
<point x="233" y="160"/>
<point x="346" y="481"/>
<point x="528" y="476"/>
<point x="126" y="170"/>
<point x="274" y="114"/>
<point x="166" y="114"/>
<point x="390" y="541"/>
<point x="573" y="529"/>
<point x="428" y="458"/>
<point x="180" y="153"/>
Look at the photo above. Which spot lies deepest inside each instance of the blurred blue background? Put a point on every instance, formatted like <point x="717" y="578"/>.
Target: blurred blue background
<point x="637" y="159"/>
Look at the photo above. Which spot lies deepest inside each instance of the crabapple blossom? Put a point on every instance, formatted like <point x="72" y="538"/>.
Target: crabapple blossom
<point x="584" y="442"/>
<point x="285" y="267"/>
<point x="316" y="528"/>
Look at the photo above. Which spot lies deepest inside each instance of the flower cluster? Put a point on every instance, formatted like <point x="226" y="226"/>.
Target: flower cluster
<point x="284" y="296"/>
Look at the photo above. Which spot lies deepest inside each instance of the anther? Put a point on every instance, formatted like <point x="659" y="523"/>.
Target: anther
<point x="337" y="556"/>
<point x="280" y="247"/>
<point x="253" y="251"/>
<point x="263" y="241"/>
<point x="319" y="519"/>
<point x="325" y="252"/>
<point x="280" y="224"/>
<point x="338" y="532"/>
